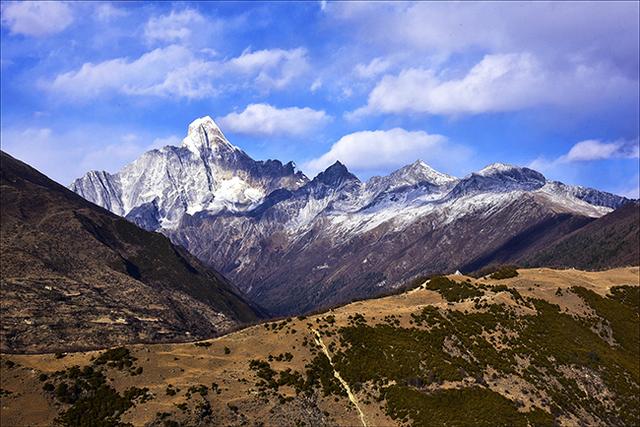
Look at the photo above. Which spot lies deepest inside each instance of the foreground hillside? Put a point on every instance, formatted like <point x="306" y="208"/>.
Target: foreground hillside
<point x="77" y="276"/>
<point x="544" y="347"/>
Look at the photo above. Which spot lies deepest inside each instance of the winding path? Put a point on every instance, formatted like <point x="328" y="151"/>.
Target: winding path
<point x="336" y="374"/>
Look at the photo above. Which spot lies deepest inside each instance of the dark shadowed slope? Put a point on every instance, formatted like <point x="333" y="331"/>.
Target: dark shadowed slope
<point x="77" y="276"/>
<point x="610" y="241"/>
<point x="531" y="240"/>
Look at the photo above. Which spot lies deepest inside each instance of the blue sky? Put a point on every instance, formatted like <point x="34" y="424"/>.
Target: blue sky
<point x="553" y="86"/>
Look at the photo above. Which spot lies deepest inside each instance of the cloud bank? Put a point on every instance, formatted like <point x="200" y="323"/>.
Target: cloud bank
<point x="591" y="150"/>
<point x="383" y="149"/>
<point x="267" y="120"/>
<point x="177" y="71"/>
<point x="498" y="83"/>
<point x="36" y="18"/>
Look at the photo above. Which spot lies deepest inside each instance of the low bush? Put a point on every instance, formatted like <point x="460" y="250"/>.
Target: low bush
<point x="505" y="272"/>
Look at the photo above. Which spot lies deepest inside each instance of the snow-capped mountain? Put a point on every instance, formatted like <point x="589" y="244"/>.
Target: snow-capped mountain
<point x="297" y="244"/>
<point x="206" y="173"/>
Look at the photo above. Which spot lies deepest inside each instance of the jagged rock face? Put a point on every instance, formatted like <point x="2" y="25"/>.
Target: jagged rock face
<point x="499" y="178"/>
<point x="335" y="175"/>
<point x="206" y="173"/>
<point x="297" y="245"/>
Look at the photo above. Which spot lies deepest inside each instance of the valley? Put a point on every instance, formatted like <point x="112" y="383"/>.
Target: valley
<point x="543" y="347"/>
<point x="319" y="213"/>
<point x="298" y="245"/>
<point x="340" y="316"/>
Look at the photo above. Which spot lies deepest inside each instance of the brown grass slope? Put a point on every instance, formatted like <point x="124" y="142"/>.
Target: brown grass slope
<point x="547" y="347"/>
<point x="610" y="241"/>
<point x="75" y="276"/>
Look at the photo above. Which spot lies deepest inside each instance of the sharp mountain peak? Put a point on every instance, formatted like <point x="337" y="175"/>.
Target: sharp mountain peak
<point x="204" y="133"/>
<point x="335" y="175"/>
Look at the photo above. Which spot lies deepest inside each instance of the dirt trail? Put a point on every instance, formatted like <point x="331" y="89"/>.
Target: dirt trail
<point x="336" y="374"/>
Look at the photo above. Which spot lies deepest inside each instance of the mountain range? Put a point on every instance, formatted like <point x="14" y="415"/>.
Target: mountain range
<point x="76" y="276"/>
<point x="297" y="244"/>
<point x="520" y="347"/>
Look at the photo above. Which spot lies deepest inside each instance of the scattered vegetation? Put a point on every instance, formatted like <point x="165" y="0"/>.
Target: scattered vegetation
<point x="454" y="346"/>
<point x="473" y="406"/>
<point x="200" y="389"/>
<point x="119" y="357"/>
<point x="91" y="400"/>
<point x="565" y="365"/>
<point x="453" y="291"/>
<point x="505" y="272"/>
<point x="286" y="357"/>
<point x="318" y="374"/>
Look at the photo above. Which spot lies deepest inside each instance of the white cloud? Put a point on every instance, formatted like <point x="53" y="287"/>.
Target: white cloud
<point x="129" y="137"/>
<point x="275" y="68"/>
<point x="317" y="84"/>
<point x="106" y="12"/>
<point x="563" y="30"/>
<point x="347" y="92"/>
<point x="66" y="155"/>
<point x="632" y="189"/>
<point x="498" y="83"/>
<point x="176" y="26"/>
<point x="590" y="150"/>
<point x="209" y="52"/>
<point x="383" y="149"/>
<point x="35" y="135"/>
<point x="36" y="18"/>
<point x="264" y="119"/>
<point x="630" y="192"/>
<point x="164" y="71"/>
<point x="593" y="149"/>
<point x="173" y="140"/>
<point x="585" y="66"/>
<point x="374" y="68"/>
<point x="177" y="71"/>
<point x="111" y="156"/>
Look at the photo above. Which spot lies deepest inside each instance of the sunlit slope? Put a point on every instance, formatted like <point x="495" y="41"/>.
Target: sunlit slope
<point x="546" y="346"/>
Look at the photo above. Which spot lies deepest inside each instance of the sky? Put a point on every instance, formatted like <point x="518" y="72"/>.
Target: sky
<point x="552" y="86"/>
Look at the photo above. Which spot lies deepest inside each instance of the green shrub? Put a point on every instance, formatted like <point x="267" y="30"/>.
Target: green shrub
<point x="119" y="357"/>
<point x="451" y="290"/>
<point x="201" y="389"/>
<point x="505" y="272"/>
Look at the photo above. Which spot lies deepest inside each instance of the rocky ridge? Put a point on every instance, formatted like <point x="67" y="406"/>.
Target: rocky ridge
<point x="298" y="244"/>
